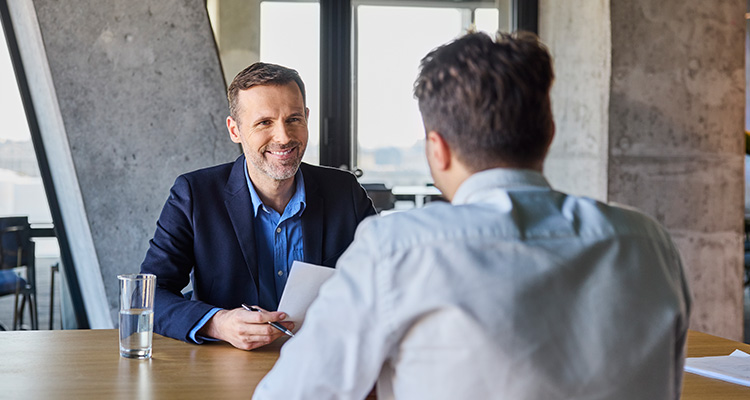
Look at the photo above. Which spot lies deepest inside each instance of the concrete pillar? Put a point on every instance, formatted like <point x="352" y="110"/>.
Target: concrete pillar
<point x="651" y="95"/>
<point x="236" y="25"/>
<point x="128" y="96"/>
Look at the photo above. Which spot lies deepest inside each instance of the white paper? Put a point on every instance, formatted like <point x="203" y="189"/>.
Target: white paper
<point x="733" y="368"/>
<point x="301" y="289"/>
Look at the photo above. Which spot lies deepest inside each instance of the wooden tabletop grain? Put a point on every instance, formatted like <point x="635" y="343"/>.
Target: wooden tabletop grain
<point x="86" y="364"/>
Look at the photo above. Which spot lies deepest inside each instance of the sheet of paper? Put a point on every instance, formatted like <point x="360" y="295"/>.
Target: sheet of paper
<point x="301" y="289"/>
<point x="733" y="368"/>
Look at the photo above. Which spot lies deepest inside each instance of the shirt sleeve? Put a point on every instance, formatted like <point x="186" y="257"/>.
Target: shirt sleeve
<point x="339" y="351"/>
<point x="193" y="335"/>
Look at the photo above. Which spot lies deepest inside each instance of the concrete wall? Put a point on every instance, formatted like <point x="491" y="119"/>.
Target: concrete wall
<point x="577" y="161"/>
<point x="671" y="121"/>
<point x="676" y="128"/>
<point x="129" y="95"/>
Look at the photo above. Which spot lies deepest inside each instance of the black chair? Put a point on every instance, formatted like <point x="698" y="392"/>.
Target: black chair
<point x="17" y="268"/>
<point x="381" y="196"/>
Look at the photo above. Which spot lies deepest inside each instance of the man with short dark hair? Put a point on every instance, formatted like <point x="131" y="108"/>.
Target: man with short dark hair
<point x="512" y="291"/>
<point x="236" y="228"/>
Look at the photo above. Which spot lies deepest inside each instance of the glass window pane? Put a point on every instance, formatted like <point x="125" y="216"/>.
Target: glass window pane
<point x="21" y="188"/>
<point x="290" y="36"/>
<point x="22" y="194"/>
<point x="390" y="44"/>
<point x="487" y="20"/>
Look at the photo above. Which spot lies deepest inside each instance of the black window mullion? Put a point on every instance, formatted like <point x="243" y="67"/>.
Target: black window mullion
<point x="525" y="15"/>
<point x="335" y="83"/>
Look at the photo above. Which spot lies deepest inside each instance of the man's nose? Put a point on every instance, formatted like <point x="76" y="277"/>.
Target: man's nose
<point x="282" y="134"/>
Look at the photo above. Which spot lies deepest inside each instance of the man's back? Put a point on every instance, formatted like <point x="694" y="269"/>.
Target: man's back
<point x="514" y="292"/>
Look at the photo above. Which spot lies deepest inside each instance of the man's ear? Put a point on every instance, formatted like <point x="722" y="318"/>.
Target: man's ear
<point x="234" y="130"/>
<point x="438" y="151"/>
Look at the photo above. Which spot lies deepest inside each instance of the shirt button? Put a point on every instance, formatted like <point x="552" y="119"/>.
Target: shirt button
<point x="278" y="230"/>
<point x="281" y="273"/>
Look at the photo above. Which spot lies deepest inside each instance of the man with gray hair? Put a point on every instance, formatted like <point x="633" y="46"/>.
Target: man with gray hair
<point x="511" y="291"/>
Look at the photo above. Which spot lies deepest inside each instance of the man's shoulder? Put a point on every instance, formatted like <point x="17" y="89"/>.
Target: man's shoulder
<point x="565" y="215"/>
<point x="625" y="219"/>
<point x="208" y="180"/>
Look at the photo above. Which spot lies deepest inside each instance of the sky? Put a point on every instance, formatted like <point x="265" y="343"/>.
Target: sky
<point x="12" y="118"/>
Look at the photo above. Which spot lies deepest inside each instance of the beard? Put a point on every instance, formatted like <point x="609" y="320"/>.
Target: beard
<point x="279" y="170"/>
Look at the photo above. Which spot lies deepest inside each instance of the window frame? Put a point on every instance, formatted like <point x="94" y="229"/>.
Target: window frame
<point x="338" y="135"/>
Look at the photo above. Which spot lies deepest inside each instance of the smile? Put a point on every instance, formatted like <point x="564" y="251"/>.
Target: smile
<point x="282" y="153"/>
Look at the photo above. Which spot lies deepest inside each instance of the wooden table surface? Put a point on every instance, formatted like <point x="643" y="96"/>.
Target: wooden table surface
<point x="699" y="387"/>
<point x="86" y="364"/>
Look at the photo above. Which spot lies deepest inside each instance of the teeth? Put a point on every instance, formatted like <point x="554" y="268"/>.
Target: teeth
<point x="281" y="153"/>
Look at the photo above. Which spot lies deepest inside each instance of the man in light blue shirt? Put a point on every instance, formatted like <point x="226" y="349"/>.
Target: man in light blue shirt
<point x="511" y="291"/>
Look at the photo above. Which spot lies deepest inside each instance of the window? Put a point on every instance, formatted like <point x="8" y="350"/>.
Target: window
<point x="390" y="41"/>
<point x="22" y="191"/>
<point x="279" y="32"/>
<point x="359" y="66"/>
<point x="290" y="36"/>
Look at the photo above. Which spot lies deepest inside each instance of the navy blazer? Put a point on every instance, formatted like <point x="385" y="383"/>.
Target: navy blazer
<point x="206" y="226"/>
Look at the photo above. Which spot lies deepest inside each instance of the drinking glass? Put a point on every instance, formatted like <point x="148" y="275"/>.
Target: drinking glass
<point x="136" y="314"/>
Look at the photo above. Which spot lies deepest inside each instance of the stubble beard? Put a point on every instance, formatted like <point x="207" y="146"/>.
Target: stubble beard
<point x="280" y="170"/>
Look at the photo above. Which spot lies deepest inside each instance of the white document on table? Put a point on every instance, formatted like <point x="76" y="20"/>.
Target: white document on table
<point x="301" y="289"/>
<point x="733" y="368"/>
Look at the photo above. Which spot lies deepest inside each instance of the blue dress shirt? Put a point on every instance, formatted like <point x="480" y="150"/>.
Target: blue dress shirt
<point x="278" y="239"/>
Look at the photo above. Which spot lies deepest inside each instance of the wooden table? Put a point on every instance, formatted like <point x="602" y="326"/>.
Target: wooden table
<point x="699" y="387"/>
<point x="86" y="364"/>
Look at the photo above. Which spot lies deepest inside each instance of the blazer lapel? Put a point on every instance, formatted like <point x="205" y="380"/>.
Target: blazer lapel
<point x="312" y="221"/>
<point x="239" y="206"/>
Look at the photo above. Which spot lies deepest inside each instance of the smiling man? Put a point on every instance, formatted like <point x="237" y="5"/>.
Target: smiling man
<point x="236" y="228"/>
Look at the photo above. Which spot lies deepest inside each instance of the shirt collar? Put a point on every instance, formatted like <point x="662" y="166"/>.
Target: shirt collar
<point x="296" y="203"/>
<point x="502" y="178"/>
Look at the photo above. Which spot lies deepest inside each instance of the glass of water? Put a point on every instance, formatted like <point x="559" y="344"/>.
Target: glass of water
<point x="136" y="314"/>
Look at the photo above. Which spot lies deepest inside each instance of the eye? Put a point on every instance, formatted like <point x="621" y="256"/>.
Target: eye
<point x="264" y="122"/>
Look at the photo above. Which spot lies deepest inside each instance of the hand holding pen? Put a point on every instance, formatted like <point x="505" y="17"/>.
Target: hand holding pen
<point x="273" y="324"/>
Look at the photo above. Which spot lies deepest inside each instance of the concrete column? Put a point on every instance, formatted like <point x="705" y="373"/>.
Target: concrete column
<point x="128" y="96"/>
<point x="658" y="89"/>
<point x="578" y="35"/>
<point x="236" y="25"/>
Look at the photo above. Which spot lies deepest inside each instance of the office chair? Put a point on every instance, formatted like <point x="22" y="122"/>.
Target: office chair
<point x="17" y="268"/>
<point x="382" y="197"/>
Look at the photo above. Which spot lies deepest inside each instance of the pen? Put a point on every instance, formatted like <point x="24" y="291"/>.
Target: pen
<point x="273" y="324"/>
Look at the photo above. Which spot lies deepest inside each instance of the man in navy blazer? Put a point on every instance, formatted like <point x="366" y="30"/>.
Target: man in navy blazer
<point x="236" y="228"/>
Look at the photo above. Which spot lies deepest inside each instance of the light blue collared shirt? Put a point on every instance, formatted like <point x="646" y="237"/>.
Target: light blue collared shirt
<point x="542" y="290"/>
<point x="278" y="241"/>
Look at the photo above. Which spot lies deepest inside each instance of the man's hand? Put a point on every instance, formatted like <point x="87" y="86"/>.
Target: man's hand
<point x="244" y="329"/>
